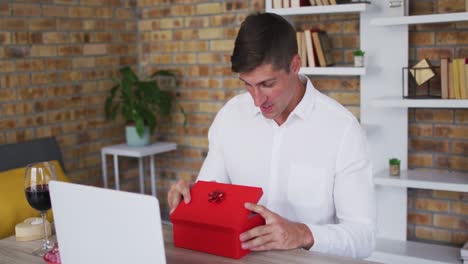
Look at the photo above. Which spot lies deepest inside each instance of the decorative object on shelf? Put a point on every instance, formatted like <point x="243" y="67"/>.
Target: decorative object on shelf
<point x="394" y="167"/>
<point x="139" y="102"/>
<point x="421" y="81"/>
<point x="395" y="3"/>
<point x="422" y="72"/>
<point x="359" y="58"/>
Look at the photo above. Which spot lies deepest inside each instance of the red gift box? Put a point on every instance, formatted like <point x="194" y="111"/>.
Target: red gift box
<point x="215" y="217"/>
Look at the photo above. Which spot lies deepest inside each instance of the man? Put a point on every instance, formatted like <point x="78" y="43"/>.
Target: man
<point x="307" y="152"/>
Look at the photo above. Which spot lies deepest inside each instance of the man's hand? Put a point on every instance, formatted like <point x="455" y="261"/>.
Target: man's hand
<point x="277" y="233"/>
<point x="179" y="190"/>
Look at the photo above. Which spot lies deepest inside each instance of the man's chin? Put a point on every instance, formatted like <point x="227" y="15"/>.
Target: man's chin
<point x="268" y="115"/>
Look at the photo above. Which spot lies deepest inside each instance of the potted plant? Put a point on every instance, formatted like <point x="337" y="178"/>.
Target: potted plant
<point x="394" y="167"/>
<point x="359" y="58"/>
<point x="139" y="101"/>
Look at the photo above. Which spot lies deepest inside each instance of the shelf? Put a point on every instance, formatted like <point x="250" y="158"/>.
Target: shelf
<point x="333" y="71"/>
<point x="419" y="103"/>
<point x="421" y="19"/>
<point x="425" y="179"/>
<point x="394" y="251"/>
<point x="308" y="10"/>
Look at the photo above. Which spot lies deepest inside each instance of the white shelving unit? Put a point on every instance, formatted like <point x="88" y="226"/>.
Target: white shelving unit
<point x="384" y="29"/>
<point x="397" y="101"/>
<point x="421" y="19"/>
<point x="384" y="115"/>
<point x="328" y="9"/>
<point x="310" y="10"/>
<point x="333" y="71"/>
<point x="425" y="179"/>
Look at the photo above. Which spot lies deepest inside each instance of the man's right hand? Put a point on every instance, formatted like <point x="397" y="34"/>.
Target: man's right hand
<point x="179" y="190"/>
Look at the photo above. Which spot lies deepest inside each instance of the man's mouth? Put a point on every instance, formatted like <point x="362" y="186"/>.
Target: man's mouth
<point x="266" y="108"/>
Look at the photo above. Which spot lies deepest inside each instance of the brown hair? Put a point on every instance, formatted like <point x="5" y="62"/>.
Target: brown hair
<point x="264" y="38"/>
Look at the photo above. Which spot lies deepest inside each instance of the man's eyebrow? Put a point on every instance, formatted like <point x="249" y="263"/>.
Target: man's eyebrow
<point x="264" y="81"/>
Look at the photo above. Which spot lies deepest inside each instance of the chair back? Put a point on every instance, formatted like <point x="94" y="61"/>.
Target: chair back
<point x="20" y="154"/>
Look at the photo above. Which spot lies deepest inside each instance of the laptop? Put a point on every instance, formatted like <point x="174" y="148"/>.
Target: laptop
<point x="97" y="226"/>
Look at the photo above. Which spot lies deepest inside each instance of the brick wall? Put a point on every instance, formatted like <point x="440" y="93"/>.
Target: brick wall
<point x="438" y="138"/>
<point x="197" y="39"/>
<point x="56" y="60"/>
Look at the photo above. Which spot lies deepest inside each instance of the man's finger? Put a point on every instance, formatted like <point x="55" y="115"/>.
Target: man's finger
<point x="259" y="209"/>
<point x="257" y="242"/>
<point x="255" y="232"/>
<point x="267" y="246"/>
<point x="184" y="190"/>
<point x="173" y="199"/>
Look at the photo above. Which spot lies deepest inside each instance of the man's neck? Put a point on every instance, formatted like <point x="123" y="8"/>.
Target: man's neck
<point x="299" y="88"/>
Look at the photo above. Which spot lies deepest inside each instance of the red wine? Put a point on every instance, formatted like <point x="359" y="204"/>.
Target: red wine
<point x="38" y="197"/>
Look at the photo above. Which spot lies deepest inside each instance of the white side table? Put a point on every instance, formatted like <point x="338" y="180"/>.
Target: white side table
<point x="135" y="152"/>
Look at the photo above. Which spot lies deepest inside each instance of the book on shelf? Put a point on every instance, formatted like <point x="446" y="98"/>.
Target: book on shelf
<point x="444" y="80"/>
<point x="286" y="4"/>
<point x="301" y="48"/>
<point x="325" y="2"/>
<point x="451" y="91"/>
<point x="323" y="48"/>
<point x="310" y="51"/>
<point x="458" y="78"/>
<point x="312" y="2"/>
<point x="277" y="3"/>
<point x="319" y="2"/>
<point x="462" y="75"/>
<point x="299" y="3"/>
<point x="332" y="2"/>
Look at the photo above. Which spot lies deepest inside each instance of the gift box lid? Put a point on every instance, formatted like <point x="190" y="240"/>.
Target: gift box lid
<point x="217" y="204"/>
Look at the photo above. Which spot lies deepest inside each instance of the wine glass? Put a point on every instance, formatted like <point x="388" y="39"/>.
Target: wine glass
<point x="36" y="188"/>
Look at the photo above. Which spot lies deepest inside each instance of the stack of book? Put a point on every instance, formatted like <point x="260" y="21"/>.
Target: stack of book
<point x="454" y="78"/>
<point x="464" y="253"/>
<point x="314" y="48"/>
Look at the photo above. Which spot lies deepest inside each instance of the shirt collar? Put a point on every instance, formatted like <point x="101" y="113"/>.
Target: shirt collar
<point x="306" y="104"/>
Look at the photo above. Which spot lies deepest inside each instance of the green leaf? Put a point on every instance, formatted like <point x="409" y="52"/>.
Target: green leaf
<point x="128" y="73"/>
<point x="165" y="103"/>
<point x="140" y="125"/>
<point x="108" y="105"/>
<point x="167" y="73"/>
<point x="184" y="114"/>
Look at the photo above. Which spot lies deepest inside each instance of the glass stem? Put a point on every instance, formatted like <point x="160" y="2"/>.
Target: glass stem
<point x="46" y="244"/>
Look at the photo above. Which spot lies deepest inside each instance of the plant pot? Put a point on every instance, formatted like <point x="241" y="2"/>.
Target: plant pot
<point x="394" y="170"/>
<point x="358" y="61"/>
<point x="134" y="140"/>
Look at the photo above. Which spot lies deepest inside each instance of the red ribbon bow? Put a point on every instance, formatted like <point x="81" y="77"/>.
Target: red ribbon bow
<point x="216" y="196"/>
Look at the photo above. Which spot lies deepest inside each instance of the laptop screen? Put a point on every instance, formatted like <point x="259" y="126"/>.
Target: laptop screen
<point x="96" y="225"/>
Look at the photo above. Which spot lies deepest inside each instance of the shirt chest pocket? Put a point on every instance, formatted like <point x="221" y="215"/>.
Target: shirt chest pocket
<point x="308" y="186"/>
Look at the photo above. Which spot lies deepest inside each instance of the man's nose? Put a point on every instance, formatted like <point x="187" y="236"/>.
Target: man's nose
<point x="258" y="96"/>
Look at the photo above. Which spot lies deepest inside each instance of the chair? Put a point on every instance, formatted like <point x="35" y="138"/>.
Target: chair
<point x="21" y="154"/>
<point x="13" y="159"/>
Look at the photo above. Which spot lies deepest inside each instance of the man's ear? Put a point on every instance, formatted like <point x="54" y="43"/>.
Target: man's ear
<point x="295" y="65"/>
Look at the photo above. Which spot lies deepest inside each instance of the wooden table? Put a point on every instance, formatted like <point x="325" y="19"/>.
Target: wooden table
<point x="13" y="252"/>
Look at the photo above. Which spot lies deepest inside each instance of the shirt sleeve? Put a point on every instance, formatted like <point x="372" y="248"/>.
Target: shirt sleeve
<point x="214" y="168"/>
<point x="354" y="233"/>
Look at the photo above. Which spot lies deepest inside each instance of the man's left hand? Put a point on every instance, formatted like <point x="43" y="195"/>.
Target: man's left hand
<point x="277" y="233"/>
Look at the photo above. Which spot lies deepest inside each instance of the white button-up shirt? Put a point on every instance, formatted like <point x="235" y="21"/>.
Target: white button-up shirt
<point x="314" y="168"/>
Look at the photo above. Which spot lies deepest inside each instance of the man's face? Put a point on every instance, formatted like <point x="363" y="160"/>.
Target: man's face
<point x="272" y="90"/>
